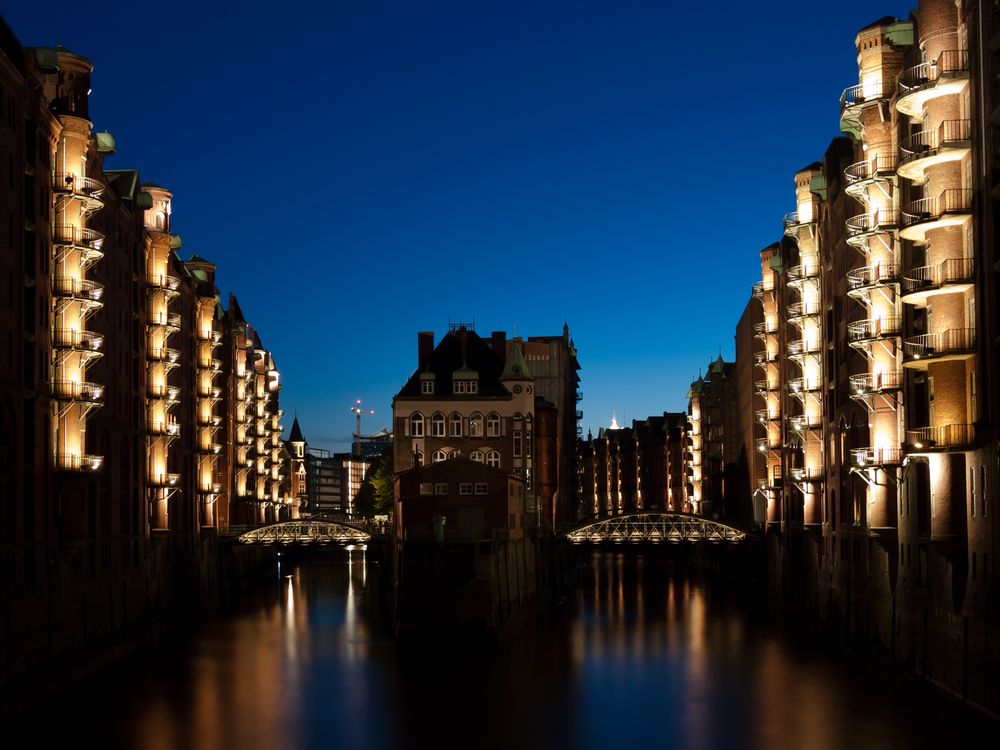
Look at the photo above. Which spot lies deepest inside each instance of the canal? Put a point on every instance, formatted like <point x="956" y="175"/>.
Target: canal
<point x="643" y="651"/>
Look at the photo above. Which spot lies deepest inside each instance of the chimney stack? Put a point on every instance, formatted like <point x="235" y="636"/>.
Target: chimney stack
<point x="498" y="342"/>
<point x="425" y="347"/>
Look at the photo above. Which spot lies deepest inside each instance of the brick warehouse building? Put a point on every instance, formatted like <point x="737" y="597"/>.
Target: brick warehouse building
<point x="875" y="344"/>
<point x="135" y="412"/>
<point x="478" y="398"/>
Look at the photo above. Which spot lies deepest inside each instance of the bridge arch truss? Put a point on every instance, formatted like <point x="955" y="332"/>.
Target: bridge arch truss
<point x="307" y="532"/>
<point x="655" y="528"/>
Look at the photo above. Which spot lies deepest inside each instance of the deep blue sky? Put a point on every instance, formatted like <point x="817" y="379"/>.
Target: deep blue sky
<point x="363" y="170"/>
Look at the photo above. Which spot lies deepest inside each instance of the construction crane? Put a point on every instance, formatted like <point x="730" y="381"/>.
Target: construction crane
<point x="358" y="411"/>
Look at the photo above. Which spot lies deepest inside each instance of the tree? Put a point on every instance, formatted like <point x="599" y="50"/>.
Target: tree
<point x="377" y="493"/>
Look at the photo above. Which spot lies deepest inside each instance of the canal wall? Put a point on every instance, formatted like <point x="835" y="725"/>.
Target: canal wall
<point x="472" y="586"/>
<point x="906" y="608"/>
<point x="81" y="620"/>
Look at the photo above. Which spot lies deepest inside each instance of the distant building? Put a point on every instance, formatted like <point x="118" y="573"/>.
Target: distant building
<point x="325" y="482"/>
<point x="712" y="424"/>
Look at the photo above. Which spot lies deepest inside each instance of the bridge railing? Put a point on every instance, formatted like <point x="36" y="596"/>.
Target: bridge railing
<point x="654" y="527"/>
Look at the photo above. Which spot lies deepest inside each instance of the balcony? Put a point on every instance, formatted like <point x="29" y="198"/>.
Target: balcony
<point x="766" y="444"/>
<point x="800" y="386"/>
<point x="78" y="289"/>
<point x="873" y="384"/>
<point x="163" y="428"/>
<point x="801" y="348"/>
<point x="799" y="312"/>
<point x="952" y="208"/>
<point x="863" y="227"/>
<point x="955" y="343"/>
<point x="760" y="287"/>
<point x="764" y="357"/>
<point x="798" y="274"/>
<point x="947" y="277"/>
<point x="768" y="415"/>
<point x="798" y="225"/>
<point x="84" y="189"/>
<point x="763" y="330"/>
<point x="212" y="449"/>
<point x="86" y="342"/>
<point x="950" y="141"/>
<point x="164" y="479"/>
<point x="162" y="354"/>
<point x="87" y="242"/>
<point x="160" y="390"/>
<point x="858" y="177"/>
<point x="805" y="422"/>
<point x="863" y="95"/>
<point x="763" y="386"/>
<point x="77" y="390"/>
<point x="862" y="332"/>
<point x="948" y="74"/>
<point x="170" y="321"/>
<point x="77" y="462"/>
<point x="211" y="489"/>
<point x="807" y="474"/>
<point x="211" y="392"/>
<point x="943" y="438"/>
<point x="879" y="275"/>
<point x="209" y="420"/>
<point x="163" y="281"/>
<point x="863" y="458"/>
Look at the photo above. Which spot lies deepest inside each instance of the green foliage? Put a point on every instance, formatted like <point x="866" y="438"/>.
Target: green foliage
<point x="377" y="494"/>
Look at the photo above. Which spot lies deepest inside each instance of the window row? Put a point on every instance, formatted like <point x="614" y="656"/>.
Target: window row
<point x="464" y="488"/>
<point x="454" y="425"/>
<point x="490" y="457"/>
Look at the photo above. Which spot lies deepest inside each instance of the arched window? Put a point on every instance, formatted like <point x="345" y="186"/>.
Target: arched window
<point x="493" y="425"/>
<point x="418" y="459"/>
<point x="161" y="221"/>
<point x="476" y="425"/>
<point x="477" y="456"/>
<point x="493" y="459"/>
<point x="456" y="424"/>
<point x="455" y="454"/>
<point x="438" y="457"/>
<point x="437" y="425"/>
<point x="416" y="424"/>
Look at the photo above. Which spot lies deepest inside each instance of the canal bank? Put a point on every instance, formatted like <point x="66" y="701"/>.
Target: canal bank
<point x="81" y="624"/>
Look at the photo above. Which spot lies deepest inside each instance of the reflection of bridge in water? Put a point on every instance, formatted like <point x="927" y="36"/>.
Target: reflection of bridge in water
<point x="654" y="528"/>
<point x="315" y="531"/>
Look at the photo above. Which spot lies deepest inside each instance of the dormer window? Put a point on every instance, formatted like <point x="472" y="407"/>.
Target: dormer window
<point x="465" y="386"/>
<point x="427" y="387"/>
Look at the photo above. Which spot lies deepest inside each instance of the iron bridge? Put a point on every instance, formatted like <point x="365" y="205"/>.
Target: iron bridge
<point x="654" y="528"/>
<point x="307" y="531"/>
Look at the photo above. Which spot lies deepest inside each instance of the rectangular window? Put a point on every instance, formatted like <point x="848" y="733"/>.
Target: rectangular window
<point x="427" y="387"/>
<point x="473" y="386"/>
<point x="458" y="386"/>
<point x="480" y="488"/>
<point x="441" y="488"/>
<point x="972" y="491"/>
<point x="527" y="443"/>
<point x="426" y="488"/>
<point x="517" y="443"/>
<point x="465" y="488"/>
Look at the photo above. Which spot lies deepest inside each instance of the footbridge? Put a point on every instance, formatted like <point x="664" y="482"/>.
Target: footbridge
<point x="654" y="528"/>
<point x="314" y="531"/>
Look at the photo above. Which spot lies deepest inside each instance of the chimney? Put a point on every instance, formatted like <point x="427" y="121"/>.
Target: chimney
<point x="498" y="342"/>
<point x="425" y="347"/>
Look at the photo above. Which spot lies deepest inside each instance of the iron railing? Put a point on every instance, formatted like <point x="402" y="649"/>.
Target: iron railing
<point x="930" y="345"/>
<point x="862" y="457"/>
<point x="929" y="143"/>
<point x="948" y="63"/>
<point x="945" y="436"/>
<point x="947" y="271"/>
<point x="865" y="93"/>
<point x="881" y="273"/>
<point x="869" y="383"/>
<point x="952" y="200"/>
<point x="874" y="328"/>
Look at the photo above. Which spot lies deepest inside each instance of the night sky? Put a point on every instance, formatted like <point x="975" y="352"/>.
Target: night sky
<point x="361" y="171"/>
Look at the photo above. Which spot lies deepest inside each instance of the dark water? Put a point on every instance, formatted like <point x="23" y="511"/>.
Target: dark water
<point x="643" y="653"/>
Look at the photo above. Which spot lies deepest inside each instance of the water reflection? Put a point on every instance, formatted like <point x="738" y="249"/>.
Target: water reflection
<point x="643" y="652"/>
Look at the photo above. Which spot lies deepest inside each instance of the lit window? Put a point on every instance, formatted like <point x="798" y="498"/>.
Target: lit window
<point x="493" y="425"/>
<point x="493" y="459"/>
<point x="481" y="488"/>
<point x="441" y="488"/>
<point x="427" y="387"/>
<point x="417" y="425"/>
<point x="478" y="456"/>
<point x="456" y="425"/>
<point x="476" y="425"/>
<point x="438" y="456"/>
<point x="527" y="478"/>
<point x="527" y="443"/>
<point x="426" y="488"/>
<point x="437" y="425"/>
<point x="465" y="488"/>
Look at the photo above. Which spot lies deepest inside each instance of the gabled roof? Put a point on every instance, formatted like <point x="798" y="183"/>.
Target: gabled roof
<point x="295" y="436"/>
<point x="459" y="350"/>
<point x="515" y="368"/>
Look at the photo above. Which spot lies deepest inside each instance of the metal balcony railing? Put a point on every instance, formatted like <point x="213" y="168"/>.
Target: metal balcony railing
<point x="797" y="223"/>
<point x="950" y="271"/>
<point x="163" y="281"/>
<point x="864" y="94"/>
<point x="874" y="328"/>
<point x="799" y="310"/>
<point x="763" y="357"/>
<point x="70" y="236"/>
<point x="800" y="347"/>
<point x="86" y="289"/>
<point x="871" y="383"/>
<point x="804" y="385"/>
<point x="72" y="338"/>
<point x="927" y="143"/>
<point x="807" y="474"/>
<point x="77" y="462"/>
<point x="767" y="444"/>
<point x="162" y="354"/>
<point x="804" y="422"/>
<point x="766" y="415"/>
<point x="882" y="273"/>
<point x="163" y="480"/>
<point x="765" y="385"/>
<point x="87" y="188"/>
<point x="940" y="438"/>
<point x="764" y="329"/>
<point x="804" y="271"/>
<point x="953" y="200"/>
<point x="950" y="62"/>
<point x="862" y="457"/>
<point x="77" y="390"/>
<point x="932" y="345"/>
<point x="162" y="427"/>
<point x="760" y="287"/>
<point x="881" y="220"/>
<point x="165" y="320"/>
<point x="877" y="167"/>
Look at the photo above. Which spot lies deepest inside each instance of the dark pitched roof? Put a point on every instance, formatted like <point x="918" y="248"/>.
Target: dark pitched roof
<point x="460" y="349"/>
<point x="295" y="436"/>
<point x="883" y="21"/>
